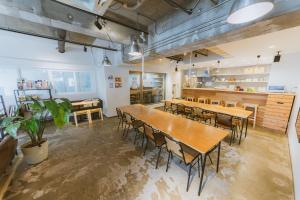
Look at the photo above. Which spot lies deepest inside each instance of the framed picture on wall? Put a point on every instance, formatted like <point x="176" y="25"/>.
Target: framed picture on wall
<point x="298" y="125"/>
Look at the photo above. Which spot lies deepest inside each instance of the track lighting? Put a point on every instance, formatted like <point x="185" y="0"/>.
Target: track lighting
<point x="277" y="57"/>
<point x="84" y="49"/>
<point x="134" y="48"/>
<point x="106" y="62"/>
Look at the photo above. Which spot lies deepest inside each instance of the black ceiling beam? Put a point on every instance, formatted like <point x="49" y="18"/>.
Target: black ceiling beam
<point x="57" y="39"/>
<point x="102" y="17"/>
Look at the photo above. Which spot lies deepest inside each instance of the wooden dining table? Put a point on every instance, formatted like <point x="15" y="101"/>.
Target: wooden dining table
<point x="236" y="112"/>
<point x="200" y="137"/>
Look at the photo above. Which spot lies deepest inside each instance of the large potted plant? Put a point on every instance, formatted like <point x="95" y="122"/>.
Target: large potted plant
<point x="36" y="150"/>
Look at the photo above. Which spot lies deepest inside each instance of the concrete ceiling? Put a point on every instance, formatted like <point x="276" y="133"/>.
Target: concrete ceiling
<point x="244" y="52"/>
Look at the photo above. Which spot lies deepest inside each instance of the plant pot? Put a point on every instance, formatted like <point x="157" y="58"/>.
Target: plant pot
<point x="35" y="154"/>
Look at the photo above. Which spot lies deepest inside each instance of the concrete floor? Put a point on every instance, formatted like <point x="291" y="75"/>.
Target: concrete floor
<point x="94" y="162"/>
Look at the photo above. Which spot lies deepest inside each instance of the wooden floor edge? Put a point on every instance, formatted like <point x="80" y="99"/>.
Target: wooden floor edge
<point x="6" y="181"/>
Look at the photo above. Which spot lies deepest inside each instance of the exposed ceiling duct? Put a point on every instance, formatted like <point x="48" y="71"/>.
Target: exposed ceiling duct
<point x="61" y="42"/>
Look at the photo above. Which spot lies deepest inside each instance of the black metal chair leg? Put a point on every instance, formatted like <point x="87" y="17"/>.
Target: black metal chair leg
<point x="143" y="140"/>
<point x="158" y="157"/>
<point x="231" y="138"/>
<point x="146" y="146"/>
<point x="168" y="161"/>
<point x="189" y="175"/>
<point x="124" y="131"/>
<point x="119" y="124"/>
<point x="136" y="133"/>
<point x="210" y="159"/>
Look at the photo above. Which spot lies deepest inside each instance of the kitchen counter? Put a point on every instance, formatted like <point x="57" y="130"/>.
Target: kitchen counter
<point x="273" y="108"/>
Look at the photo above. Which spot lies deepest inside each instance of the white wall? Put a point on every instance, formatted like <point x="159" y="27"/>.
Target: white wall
<point x="287" y="73"/>
<point x="35" y="57"/>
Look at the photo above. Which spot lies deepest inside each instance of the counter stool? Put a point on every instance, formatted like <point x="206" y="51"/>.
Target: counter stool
<point x="253" y="108"/>
<point x="190" y="98"/>
<point x="215" y="102"/>
<point x="230" y="103"/>
<point x="201" y="100"/>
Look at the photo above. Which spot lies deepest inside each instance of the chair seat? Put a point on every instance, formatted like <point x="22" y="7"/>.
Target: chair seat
<point x="141" y="129"/>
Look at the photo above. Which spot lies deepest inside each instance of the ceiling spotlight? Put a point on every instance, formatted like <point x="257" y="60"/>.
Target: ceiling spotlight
<point x="97" y="24"/>
<point x="106" y="62"/>
<point x="134" y="48"/>
<point x="277" y="57"/>
<point x="196" y="55"/>
<point x="243" y="11"/>
<point x="84" y="49"/>
<point x="176" y="69"/>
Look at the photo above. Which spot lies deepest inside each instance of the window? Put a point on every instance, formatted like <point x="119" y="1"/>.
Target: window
<point x="68" y="82"/>
<point x="84" y="82"/>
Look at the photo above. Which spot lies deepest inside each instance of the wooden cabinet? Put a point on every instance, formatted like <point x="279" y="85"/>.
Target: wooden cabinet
<point x="277" y="111"/>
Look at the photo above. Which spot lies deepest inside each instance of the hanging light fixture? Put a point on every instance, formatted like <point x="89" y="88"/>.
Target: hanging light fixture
<point x="106" y="62"/>
<point x="135" y="49"/>
<point x="243" y="11"/>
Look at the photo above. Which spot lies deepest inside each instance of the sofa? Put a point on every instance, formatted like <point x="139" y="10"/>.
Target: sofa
<point x="8" y="148"/>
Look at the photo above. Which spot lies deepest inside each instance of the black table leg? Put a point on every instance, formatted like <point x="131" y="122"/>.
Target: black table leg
<point x="202" y="174"/>
<point x="218" y="161"/>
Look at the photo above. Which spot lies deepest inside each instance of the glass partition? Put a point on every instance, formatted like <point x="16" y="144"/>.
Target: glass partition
<point x="149" y="90"/>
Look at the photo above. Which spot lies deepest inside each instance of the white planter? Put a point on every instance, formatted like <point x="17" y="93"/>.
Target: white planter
<point x="36" y="154"/>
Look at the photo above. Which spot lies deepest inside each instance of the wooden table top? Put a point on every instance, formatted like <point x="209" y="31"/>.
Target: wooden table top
<point x="235" y="112"/>
<point x="84" y="102"/>
<point x="196" y="135"/>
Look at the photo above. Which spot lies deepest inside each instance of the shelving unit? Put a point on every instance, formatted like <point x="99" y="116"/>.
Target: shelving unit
<point x="252" y="78"/>
<point x="23" y="96"/>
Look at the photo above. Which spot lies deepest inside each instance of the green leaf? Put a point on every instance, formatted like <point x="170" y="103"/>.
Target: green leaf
<point x="31" y="126"/>
<point x="52" y="106"/>
<point x="12" y="129"/>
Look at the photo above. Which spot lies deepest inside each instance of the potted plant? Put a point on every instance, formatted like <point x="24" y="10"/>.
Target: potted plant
<point x="36" y="150"/>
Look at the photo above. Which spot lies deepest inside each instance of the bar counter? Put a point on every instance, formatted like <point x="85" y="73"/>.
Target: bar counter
<point x="274" y="109"/>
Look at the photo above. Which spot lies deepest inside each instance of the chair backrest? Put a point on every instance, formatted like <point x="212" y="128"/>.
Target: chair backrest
<point x="174" y="146"/>
<point x="173" y="106"/>
<point x="168" y="104"/>
<point x="137" y="124"/>
<point x="230" y="103"/>
<point x="215" y="102"/>
<point x="128" y="117"/>
<point x="197" y="111"/>
<point x="251" y="107"/>
<point x="180" y="107"/>
<point x="119" y="113"/>
<point x="190" y="98"/>
<point x="201" y="100"/>
<point x="148" y="131"/>
<point x="224" y="120"/>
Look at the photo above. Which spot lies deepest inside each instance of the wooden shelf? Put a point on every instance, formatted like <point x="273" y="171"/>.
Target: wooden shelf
<point x="241" y="81"/>
<point x="240" y="74"/>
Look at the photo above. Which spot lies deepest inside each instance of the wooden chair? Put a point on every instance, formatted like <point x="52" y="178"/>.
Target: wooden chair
<point x="180" y="110"/>
<point x="253" y="108"/>
<point x="168" y="106"/>
<point x="173" y="108"/>
<point x="156" y="137"/>
<point x="199" y="114"/>
<point x="127" y="119"/>
<point x="230" y="103"/>
<point x="202" y="100"/>
<point x="226" y="122"/>
<point x="186" y="154"/>
<point x="120" y="117"/>
<point x="190" y="98"/>
<point x="215" y="102"/>
<point x="138" y="127"/>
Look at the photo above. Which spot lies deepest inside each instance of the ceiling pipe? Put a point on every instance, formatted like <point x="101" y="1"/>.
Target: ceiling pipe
<point x="102" y="17"/>
<point x="57" y="39"/>
<point x="176" y="5"/>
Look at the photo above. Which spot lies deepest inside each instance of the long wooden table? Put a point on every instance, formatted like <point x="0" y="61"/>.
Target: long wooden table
<point x="202" y="138"/>
<point x="234" y="112"/>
